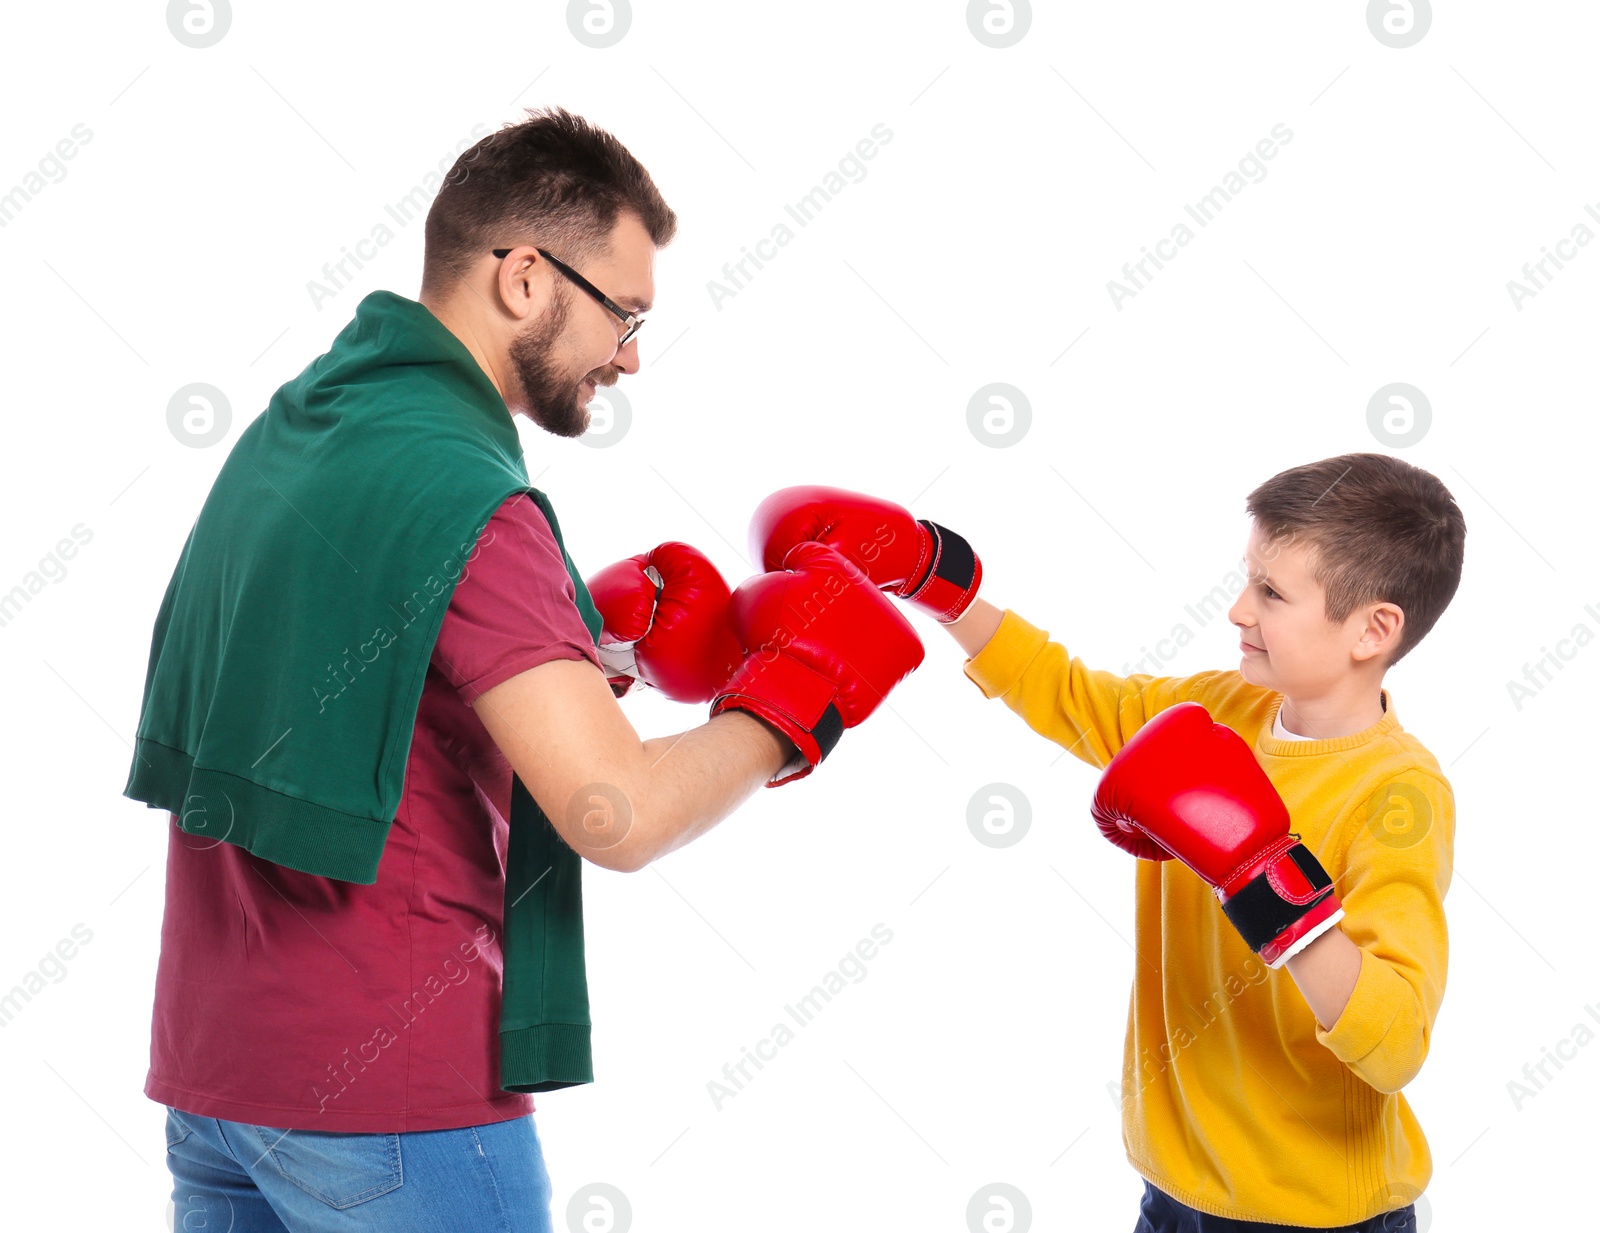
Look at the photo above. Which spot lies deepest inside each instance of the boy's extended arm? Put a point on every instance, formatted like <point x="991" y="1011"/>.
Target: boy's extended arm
<point x="976" y="626"/>
<point x="1089" y="712"/>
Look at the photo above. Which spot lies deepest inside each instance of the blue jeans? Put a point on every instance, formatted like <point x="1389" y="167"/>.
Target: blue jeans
<point x="1159" y="1212"/>
<point x="259" y="1179"/>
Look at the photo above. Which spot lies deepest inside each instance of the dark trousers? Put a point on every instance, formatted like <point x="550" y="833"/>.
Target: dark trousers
<point x="1159" y="1212"/>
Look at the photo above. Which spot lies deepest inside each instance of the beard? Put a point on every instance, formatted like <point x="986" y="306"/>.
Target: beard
<point x="552" y="398"/>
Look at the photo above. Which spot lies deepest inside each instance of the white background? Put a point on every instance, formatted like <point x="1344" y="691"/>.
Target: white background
<point x="177" y="247"/>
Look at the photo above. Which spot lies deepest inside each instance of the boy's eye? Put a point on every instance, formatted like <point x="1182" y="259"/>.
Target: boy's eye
<point x="1270" y="591"/>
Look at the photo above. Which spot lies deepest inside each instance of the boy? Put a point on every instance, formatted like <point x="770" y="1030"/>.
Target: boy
<point x="1251" y="1101"/>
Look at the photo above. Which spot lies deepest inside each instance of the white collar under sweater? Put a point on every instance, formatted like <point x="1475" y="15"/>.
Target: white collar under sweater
<point x="1283" y="734"/>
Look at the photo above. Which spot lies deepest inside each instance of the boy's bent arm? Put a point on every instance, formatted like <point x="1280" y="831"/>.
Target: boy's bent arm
<point x="1326" y="972"/>
<point x="1395" y="871"/>
<point x="617" y="801"/>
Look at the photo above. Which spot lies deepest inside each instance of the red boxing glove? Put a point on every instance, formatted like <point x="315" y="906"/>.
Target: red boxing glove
<point x="824" y="649"/>
<point x="919" y="561"/>
<point x="1187" y="787"/>
<point x="665" y="615"/>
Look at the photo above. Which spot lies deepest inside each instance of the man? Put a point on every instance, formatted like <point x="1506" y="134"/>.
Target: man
<point x="376" y="713"/>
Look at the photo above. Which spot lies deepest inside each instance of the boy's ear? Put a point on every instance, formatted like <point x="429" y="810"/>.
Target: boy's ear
<point x="1385" y="622"/>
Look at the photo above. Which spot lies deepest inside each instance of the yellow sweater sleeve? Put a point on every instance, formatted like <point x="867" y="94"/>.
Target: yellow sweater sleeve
<point x="1396" y="870"/>
<point x="1088" y="711"/>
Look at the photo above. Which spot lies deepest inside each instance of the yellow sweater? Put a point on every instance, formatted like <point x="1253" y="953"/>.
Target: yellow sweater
<point x="1234" y="1100"/>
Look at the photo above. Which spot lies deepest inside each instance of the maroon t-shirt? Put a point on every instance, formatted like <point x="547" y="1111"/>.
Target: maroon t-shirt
<point x="307" y="1003"/>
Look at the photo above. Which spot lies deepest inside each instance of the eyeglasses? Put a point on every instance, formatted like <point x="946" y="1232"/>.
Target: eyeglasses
<point x="631" y="321"/>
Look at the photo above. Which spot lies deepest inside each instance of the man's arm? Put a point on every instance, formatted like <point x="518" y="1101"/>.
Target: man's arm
<point x="616" y="800"/>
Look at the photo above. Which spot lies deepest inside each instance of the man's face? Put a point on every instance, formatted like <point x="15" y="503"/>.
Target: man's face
<point x="1287" y="642"/>
<point x="561" y="356"/>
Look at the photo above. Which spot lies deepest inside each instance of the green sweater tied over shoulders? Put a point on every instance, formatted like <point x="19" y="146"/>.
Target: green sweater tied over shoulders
<point x="290" y="648"/>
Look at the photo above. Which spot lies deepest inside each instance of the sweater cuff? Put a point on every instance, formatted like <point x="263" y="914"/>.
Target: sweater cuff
<point x="1001" y="661"/>
<point x="1374" y="1005"/>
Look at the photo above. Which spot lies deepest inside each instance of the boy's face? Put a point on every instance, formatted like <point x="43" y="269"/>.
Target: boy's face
<point x="1287" y="642"/>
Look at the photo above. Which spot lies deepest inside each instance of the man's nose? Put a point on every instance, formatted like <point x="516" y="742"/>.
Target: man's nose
<point x="627" y="357"/>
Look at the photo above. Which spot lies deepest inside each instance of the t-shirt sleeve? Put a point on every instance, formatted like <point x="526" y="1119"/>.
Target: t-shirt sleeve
<point x="514" y="608"/>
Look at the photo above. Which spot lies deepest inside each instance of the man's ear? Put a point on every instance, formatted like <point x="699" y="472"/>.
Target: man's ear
<point x="517" y="285"/>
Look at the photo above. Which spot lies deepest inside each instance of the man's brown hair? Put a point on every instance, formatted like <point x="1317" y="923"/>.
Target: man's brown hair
<point x="552" y="180"/>
<point x="1377" y="530"/>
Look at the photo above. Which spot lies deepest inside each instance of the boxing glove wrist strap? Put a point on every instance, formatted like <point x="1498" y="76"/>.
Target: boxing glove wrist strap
<point x="793" y="699"/>
<point x="953" y="575"/>
<point x="1287" y="903"/>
